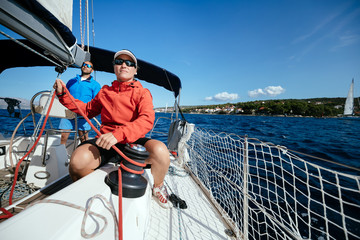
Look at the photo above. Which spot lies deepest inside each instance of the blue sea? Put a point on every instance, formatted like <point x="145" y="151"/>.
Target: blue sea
<point x="336" y="139"/>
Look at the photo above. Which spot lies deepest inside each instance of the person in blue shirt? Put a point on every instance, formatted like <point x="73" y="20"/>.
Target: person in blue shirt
<point x="82" y="87"/>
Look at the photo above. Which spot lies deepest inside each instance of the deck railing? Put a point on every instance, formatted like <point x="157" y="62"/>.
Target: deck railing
<point x="266" y="191"/>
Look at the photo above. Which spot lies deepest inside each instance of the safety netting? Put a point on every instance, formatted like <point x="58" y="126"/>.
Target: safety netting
<point x="264" y="191"/>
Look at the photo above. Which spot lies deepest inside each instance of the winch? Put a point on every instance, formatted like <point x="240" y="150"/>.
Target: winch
<point x="133" y="183"/>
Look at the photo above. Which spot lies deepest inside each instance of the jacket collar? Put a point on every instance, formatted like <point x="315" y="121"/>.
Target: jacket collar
<point x="88" y="79"/>
<point x="121" y="86"/>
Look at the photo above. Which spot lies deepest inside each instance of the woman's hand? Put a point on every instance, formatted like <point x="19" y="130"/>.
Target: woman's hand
<point x="58" y="86"/>
<point x="106" y="140"/>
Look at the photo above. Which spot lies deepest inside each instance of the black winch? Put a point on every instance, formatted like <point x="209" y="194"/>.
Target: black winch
<point x="133" y="185"/>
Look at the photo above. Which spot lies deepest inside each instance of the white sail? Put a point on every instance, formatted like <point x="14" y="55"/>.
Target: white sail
<point x="349" y="104"/>
<point x="62" y="10"/>
<point x="34" y="22"/>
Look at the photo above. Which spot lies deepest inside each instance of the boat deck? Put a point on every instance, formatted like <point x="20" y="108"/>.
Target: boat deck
<point x="38" y="195"/>
<point x="199" y="221"/>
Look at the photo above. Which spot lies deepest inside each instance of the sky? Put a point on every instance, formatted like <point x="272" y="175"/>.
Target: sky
<point x="223" y="51"/>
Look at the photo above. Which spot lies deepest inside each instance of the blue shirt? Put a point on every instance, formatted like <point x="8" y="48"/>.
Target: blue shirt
<point x="84" y="90"/>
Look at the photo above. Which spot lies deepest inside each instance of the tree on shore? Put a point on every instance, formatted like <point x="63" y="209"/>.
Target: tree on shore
<point x="315" y="107"/>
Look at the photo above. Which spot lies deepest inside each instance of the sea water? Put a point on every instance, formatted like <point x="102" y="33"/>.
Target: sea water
<point x="336" y="139"/>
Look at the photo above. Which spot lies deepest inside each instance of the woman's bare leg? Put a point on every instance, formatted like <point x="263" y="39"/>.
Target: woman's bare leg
<point x="84" y="160"/>
<point x="159" y="159"/>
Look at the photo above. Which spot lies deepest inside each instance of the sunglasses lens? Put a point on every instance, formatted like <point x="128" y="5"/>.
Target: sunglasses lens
<point x="127" y="62"/>
<point x="119" y="61"/>
<point x="87" y="65"/>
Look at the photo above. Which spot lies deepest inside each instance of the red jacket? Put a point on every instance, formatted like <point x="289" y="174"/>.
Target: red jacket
<point x="126" y="110"/>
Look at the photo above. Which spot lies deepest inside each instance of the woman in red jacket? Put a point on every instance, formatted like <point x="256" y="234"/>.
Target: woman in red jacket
<point x="127" y="114"/>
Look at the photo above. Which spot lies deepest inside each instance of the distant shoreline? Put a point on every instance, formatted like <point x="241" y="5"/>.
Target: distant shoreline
<point x="251" y="115"/>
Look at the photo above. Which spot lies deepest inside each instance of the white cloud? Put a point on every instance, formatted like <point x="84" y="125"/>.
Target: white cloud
<point x="346" y="40"/>
<point x="268" y="91"/>
<point x="223" y="97"/>
<point x="256" y="92"/>
<point x="208" y="98"/>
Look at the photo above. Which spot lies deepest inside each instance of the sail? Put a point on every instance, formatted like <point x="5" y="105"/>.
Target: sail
<point x="349" y="104"/>
<point x="46" y="25"/>
<point x="62" y="10"/>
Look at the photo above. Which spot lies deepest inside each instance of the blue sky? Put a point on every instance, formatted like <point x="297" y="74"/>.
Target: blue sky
<point x="224" y="51"/>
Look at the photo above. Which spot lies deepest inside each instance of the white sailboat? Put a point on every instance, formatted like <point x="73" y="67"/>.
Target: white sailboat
<point x="225" y="186"/>
<point x="349" y="103"/>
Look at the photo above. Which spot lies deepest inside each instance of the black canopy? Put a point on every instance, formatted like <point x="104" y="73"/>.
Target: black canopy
<point x="102" y="60"/>
<point x="18" y="56"/>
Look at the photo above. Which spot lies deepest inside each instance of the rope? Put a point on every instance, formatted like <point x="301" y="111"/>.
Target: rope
<point x="88" y="212"/>
<point x="167" y="78"/>
<point x="179" y="220"/>
<point x="21" y="190"/>
<point x="83" y="28"/>
<point x="120" y="228"/>
<point x="12" y="139"/>
<point x="7" y="213"/>
<point x="43" y="114"/>
<point x="87" y="24"/>
<point x="93" y="22"/>
<point x="177" y="172"/>
<point x="20" y="161"/>
<point x="81" y="33"/>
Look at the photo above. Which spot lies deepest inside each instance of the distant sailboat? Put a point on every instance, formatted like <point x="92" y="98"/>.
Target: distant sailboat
<point x="349" y="103"/>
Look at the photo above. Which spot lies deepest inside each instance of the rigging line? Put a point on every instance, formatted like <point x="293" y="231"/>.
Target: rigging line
<point x="30" y="49"/>
<point x="88" y="25"/>
<point x="167" y="78"/>
<point x="93" y="21"/>
<point x="66" y="47"/>
<point x="81" y="31"/>
<point x="84" y="27"/>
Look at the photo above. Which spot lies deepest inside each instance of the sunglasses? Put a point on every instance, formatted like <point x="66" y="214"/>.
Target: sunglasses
<point x="87" y="65"/>
<point x="127" y="62"/>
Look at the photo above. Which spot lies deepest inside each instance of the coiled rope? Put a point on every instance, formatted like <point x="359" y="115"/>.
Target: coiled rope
<point x="88" y="212"/>
<point x="21" y="189"/>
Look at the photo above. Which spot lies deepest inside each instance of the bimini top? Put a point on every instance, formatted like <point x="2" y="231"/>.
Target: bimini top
<point x="102" y="60"/>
